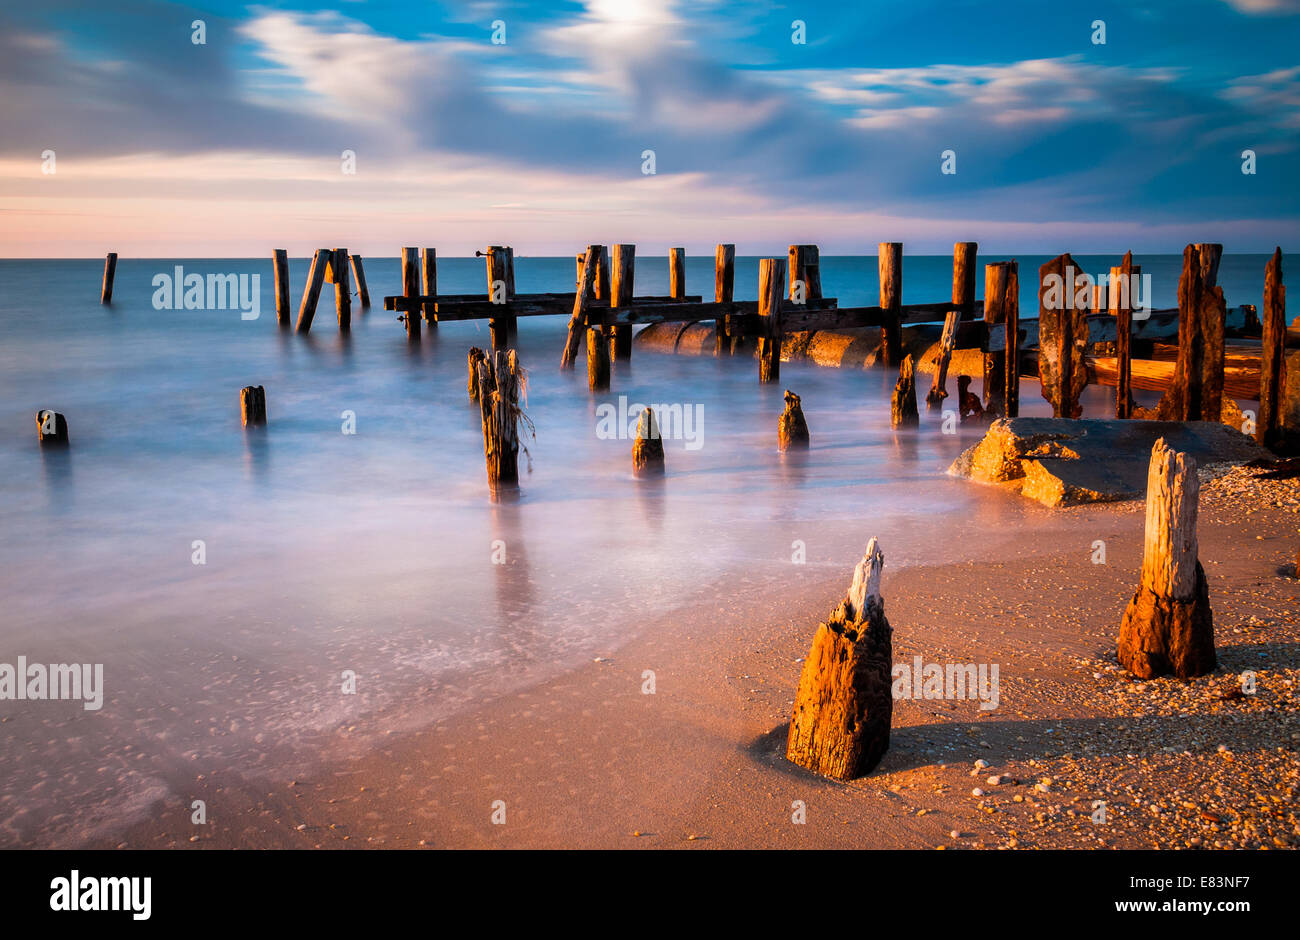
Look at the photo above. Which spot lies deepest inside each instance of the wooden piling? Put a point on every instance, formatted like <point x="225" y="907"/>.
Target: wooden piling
<point x="280" y="265"/>
<point x="252" y="404"/>
<point x="805" y="268"/>
<point x="500" y="381"/>
<point x="964" y="271"/>
<point x="995" y="315"/>
<point x="359" y="276"/>
<point x="844" y="705"/>
<point x="110" y="271"/>
<point x="311" y="293"/>
<point x="342" y="289"/>
<point x="429" y="284"/>
<point x="597" y="360"/>
<point x="947" y="343"/>
<point x="1196" y="390"/>
<point x="476" y="356"/>
<point x="622" y="281"/>
<point x="890" y="262"/>
<point x="51" y="428"/>
<point x="1272" y="376"/>
<point x="1168" y="627"/>
<point x="902" y="405"/>
<point x="581" y="301"/>
<point x="792" y="430"/>
<point x="648" y="448"/>
<point x="1011" y="341"/>
<point x="1062" y="337"/>
<point x="1209" y="254"/>
<point x="724" y="280"/>
<point x="771" y="287"/>
<point x="677" y="273"/>
<point x="1121" y="304"/>
<point x="411" y="290"/>
<point x="498" y="292"/>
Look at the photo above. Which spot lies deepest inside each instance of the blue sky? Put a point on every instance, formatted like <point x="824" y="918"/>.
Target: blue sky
<point x="165" y="147"/>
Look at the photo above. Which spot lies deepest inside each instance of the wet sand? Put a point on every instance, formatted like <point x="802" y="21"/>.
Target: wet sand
<point x="589" y="760"/>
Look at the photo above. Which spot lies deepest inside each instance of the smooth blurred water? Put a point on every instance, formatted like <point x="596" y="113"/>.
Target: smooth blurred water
<point x="373" y="552"/>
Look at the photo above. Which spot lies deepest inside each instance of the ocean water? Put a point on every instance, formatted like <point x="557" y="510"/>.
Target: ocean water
<point x="374" y="554"/>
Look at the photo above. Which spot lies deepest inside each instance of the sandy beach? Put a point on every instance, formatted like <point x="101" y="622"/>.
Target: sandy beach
<point x="589" y="760"/>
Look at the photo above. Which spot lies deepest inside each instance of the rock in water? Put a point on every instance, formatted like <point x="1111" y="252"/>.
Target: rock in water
<point x="793" y="429"/>
<point x="648" y="448"/>
<point x="843" y="709"/>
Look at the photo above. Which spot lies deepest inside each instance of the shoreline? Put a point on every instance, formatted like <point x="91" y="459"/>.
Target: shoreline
<point x="586" y="760"/>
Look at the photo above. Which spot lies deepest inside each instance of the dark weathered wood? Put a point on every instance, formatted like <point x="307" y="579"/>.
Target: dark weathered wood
<point x="110" y="271"/>
<point x="411" y="291"/>
<point x="677" y="273"/>
<point x="792" y="430"/>
<point x="622" y="283"/>
<point x="597" y="360"/>
<point x="499" y="295"/>
<point x="476" y="356"/>
<point x="995" y="361"/>
<point x="1121" y="303"/>
<point x="724" y="284"/>
<point x="805" y="269"/>
<point x="1272" y="378"/>
<point x="1062" y="336"/>
<point x="964" y="271"/>
<point x="1209" y="254"/>
<point x="947" y="342"/>
<point x="342" y="289"/>
<point x="51" y="428"/>
<point x="359" y="276"/>
<point x="1168" y="627"/>
<point x="902" y="405"/>
<point x="771" y="285"/>
<point x="1201" y="327"/>
<point x="969" y="407"/>
<point x="429" y="284"/>
<point x="890" y="262"/>
<point x="1011" y="340"/>
<point x="844" y="705"/>
<point x="280" y="264"/>
<point x="311" y="293"/>
<point x="500" y="381"/>
<point x="581" y="301"/>
<point x="648" y="448"/>
<point x="252" y="404"/>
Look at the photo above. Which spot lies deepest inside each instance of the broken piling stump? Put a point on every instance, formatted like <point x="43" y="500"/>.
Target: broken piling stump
<point x="1168" y="628"/>
<point x="902" y="406"/>
<point x="597" y="360"/>
<point x="476" y="356"/>
<point x="1196" y="391"/>
<point x="500" y="381"/>
<point x="969" y="406"/>
<point x="110" y="271"/>
<point x="793" y="429"/>
<point x="252" y="404"/>
<point x="1062" y="337"/>
<point x="51" y="428"/>
<point x="844" y="706"/>
<point x="947" y="343"/>
<point x="648" y="448"/>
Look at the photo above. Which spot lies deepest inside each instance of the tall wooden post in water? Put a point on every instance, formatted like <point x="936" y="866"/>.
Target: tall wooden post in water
<point x="964" y="272"/>
<point x="621" y="284"/>
<point x="411" y="290"/>
<point x="1272" y="377"/>
<point x="110" y="271"/>
<point x="429" y="284"/>
<point x="724" y="281"/>
<point x="891" y="299"/>
<point x="1121" y="305"/>
<point x="771" y="283"/>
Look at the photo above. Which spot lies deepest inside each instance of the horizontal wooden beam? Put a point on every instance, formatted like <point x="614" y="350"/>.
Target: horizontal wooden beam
<point x="477" y="307"/>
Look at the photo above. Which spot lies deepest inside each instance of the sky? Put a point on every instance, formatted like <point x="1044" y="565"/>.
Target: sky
<point x="534" y="125"/>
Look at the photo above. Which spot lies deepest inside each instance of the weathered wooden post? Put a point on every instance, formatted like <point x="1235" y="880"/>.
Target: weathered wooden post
<point x="724" y="281"/>
<point x="252" y="404"/>
<point x="622" y="282"/>
<point x="110" y="271"/>
<point x="280" y="264"/>
<point x="51" y="428"/>
<point x="1062" y="337"/>
<point x="1011" y="340"/>
<point x="964" y="271"/>
<point x="499" y="384"/>
<point x="995" y="315"/>
<point x="311" y="293"/>
<point x="581" y="301"/>
<point x="1121" y="305"/>
<point x="359" y="275"/>
<point x="771" y="284"/>
<point x="677" y="273"/>
<point x="805" y="273"/>
<point x="1168" y="628"/>
<point x="947" y="342"/>
<point x="499" y="326"/>
<point x="1272" y="375"/>
<point x="411" y="290"/>
<point x="890" y="262"/>
<point x="902" y="405"/>
<point x="648" y="448"/>
<point x="1210" y="254"/>
<point x="1196" y="391"/>
<point x="429" y="284"/>
<point x="342" y="289"/>
<point x="476" y="356"/>
<point x="793" y="429"/>
<point x="845" y="704"/>
<point x="597" y="360"/>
